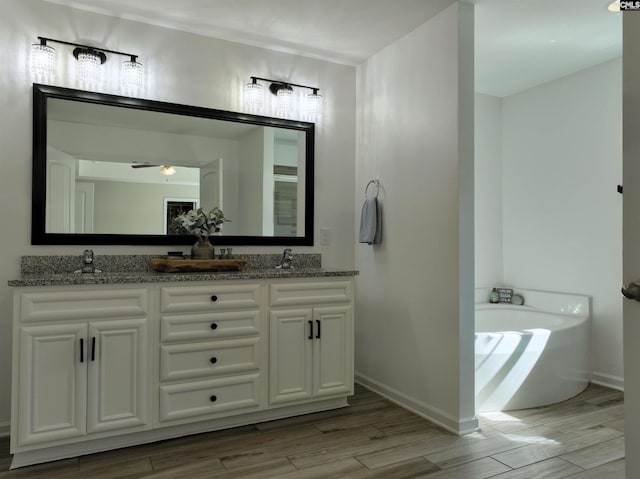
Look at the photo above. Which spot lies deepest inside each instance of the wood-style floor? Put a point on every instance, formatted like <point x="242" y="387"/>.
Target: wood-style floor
<point x="581" y="438"/>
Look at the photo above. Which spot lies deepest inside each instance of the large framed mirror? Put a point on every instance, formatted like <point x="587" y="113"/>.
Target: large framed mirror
<point x="114" y="170"/>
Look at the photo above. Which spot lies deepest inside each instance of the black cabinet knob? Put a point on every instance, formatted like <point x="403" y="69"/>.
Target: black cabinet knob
<point x="213" y="360"/>
<point x="213" y="398"/>
<point x="214" y="298"/>
<point x="214" y="326"/>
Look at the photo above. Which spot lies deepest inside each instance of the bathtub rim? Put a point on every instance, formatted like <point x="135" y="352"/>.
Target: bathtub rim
<point x="570" y="322"/>
<point x="540" y="300"/>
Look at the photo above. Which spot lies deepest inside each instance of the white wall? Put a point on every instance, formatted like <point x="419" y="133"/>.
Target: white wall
<point x="414" y="340"/>
<point x="145" y="206"/>
<point x="488" y="190"/>
<point x="562" y="159"/>
<point x="180" y="68"/>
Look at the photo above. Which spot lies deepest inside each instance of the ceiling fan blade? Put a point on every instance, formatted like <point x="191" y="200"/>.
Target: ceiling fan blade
<point x="143" y="166"/>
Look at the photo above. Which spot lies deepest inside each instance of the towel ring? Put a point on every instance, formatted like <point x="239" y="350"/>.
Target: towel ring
<point x="375" y="182"/>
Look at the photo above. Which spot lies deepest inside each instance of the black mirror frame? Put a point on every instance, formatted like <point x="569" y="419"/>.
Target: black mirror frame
<point x="39" y="236"/>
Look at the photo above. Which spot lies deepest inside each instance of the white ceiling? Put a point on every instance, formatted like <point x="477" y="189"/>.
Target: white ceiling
<point x="519" y="43"/>
<point x="522" y="43"/>
<point x="343" y="31"/>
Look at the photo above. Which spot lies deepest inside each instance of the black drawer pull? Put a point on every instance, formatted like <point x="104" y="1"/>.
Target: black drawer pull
<point x="214" y="326"/>
<point x="318" y="332"/>
<point x="213" y="398"/>
<point x="93" y="348"/>
<point x="214" y="298"/>
<point x="310" y="330"/>
<point x="213" y="360"/>
<point x="81" y="350"/>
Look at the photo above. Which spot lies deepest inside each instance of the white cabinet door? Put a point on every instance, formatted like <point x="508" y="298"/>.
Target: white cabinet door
<point x="311" y="353"/>
<point x="52" y="383"/>
<point x="118" y="381"/>
<point x="332" y="351"/>
<point x="290" y="355"/>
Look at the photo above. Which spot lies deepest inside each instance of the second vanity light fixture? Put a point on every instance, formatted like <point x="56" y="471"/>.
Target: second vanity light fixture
<point x="90" y="59"/>
<point x="283" y="91"/>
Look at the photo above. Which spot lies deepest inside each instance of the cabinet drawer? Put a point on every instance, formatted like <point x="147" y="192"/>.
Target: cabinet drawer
<point x="213" y="358"/>
<point x="204" y="327"/>
<point x="208" y="398"/>
<point x="298" y="294"/>
<point x="83" y="305"/>
<point x="187" y="299"/>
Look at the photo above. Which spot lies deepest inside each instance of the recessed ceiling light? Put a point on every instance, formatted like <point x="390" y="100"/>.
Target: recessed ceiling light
<point x="614" y="6"/>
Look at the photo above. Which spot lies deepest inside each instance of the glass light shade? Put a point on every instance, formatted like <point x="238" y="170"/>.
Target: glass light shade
<point x="314" y="106"/>
<point x="253" y="97"/>
<point x="284" y="102"/>
<point x="43" y="62"/>
<point x="614" y="6"/>
<point x="88" y="69"/>
<point x="132" y="76"/>
<point x="168" y="170"/>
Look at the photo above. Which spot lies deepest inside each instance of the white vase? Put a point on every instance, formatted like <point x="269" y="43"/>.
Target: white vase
<point x="202" y="249"/>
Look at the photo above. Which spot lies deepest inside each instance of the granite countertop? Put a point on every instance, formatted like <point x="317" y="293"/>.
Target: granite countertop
<point x="123" y="269"/>
<point x="155" y="277"/>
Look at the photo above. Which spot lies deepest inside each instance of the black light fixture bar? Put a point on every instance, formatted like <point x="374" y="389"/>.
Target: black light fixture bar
<point x="80" y="47"/>
<point x="278" y="85"/>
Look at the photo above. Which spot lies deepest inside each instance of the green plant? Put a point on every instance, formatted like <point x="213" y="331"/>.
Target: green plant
<point x="199" y="222"/>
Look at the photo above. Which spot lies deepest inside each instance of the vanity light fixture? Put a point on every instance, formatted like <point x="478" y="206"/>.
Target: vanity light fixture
<point x="88" y="68"/>
<point x="132" y="75"/>
<point x="43" y="61"/>
<point x="90" y="59"/>
<point x="614" y="6"/>
<point x="284" y="100"/>
<point x="254" y="98"/>
<point x="314" y="105"/>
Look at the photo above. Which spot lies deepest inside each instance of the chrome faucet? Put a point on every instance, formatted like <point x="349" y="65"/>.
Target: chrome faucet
<point x="287" y="259"/>
<point x="87" y="263"/>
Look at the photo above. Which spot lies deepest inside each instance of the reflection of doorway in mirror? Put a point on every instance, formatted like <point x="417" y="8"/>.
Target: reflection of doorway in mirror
<point x="211" y="181"/>
<point x="285" y="204"/>
<point x="175" y="206"/>
<point x="60" y="212"/>
<point x="84" y="211"/>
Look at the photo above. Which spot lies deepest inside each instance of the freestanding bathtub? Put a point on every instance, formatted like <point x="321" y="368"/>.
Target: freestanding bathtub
<point x="531" y="355"/>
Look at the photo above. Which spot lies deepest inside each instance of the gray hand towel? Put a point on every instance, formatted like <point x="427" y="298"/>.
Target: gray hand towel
<point x="370" y="222"/>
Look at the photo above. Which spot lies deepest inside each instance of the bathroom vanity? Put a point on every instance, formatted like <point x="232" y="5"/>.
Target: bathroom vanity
<point x="102" y="361"/>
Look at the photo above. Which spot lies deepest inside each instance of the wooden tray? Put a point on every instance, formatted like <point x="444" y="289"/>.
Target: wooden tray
<point x="180" y="265"/>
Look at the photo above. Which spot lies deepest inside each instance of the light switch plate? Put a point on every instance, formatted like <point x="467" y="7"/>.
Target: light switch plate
<point x="325" y="236"/>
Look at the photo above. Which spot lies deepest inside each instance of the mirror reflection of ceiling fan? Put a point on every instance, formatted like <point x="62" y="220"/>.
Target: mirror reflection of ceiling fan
<point x="166" y="170"/>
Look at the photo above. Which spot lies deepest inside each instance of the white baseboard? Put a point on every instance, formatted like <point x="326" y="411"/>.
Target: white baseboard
<point x="608" y="380"/>
<point x="82" y="446"/>
<point x="5" y="429"/>
<point x="457" y="426"/>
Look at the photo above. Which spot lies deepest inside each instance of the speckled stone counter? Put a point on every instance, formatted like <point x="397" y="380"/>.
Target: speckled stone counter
<point x="122" y="269"/>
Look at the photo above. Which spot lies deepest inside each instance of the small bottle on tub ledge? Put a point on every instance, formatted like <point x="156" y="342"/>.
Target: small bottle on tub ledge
<point x="494" y="296"/>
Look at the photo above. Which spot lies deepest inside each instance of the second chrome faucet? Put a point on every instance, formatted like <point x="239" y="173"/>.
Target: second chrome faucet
<point x="87" y="263"/>
<point x="287" y="260"/>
